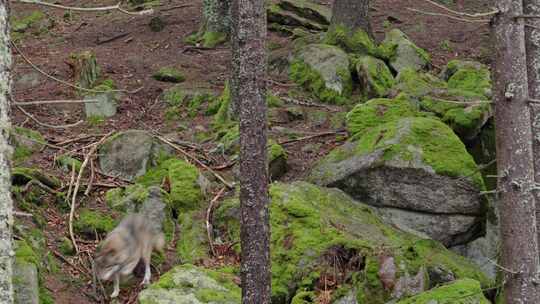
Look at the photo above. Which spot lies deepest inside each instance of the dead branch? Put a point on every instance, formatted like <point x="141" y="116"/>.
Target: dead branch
<point x="208" y="220"/>
<point x="41" y="102"/>
<point x="311" y="137"/>
<point x="76" y="188"/>
<point x="23" y="214"/>
<point x="88" y="9"/>
<point x="92" y="176"/>
<point x="176" y="147"/>
<point x="475" y="15"/>
<point x="484" y="21"/>
<point x="48" y="125"/>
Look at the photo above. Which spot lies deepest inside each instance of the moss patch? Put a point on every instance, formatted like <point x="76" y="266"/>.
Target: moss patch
<point x="169" y="74"/>
<point x="91" y="222"/>
<point x="464" y="291"/>
<point x="375" y="77"/>
<point x="418" y="84"/>
<point x="357" y="42"/>
<point x="192" y="247"/>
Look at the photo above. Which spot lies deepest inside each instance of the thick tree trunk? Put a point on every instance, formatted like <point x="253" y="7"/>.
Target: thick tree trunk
<point x="248" y="91"/>
<point x="6" y="204"/>
<point x="216" y="23"/>
<point x="532" y="42"/>
<point x="515" y="157"/>
<point x="353" y="14"/>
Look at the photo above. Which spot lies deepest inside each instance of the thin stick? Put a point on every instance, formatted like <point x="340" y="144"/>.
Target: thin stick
<point x="88" y="9"/>
<point x="71" y="181"/>
<point x="475" y="15"/>
<point x="48" y="125"/>
<point x="208" y="220"/>
<point x="23" y="214"/>
<point x="63" y="81"/>
<point x="92" y="176"/>
<point x="229" y="185"/>
<point x="485" y="21"/>
<point x="309" y="137"/>
<point x="28" y="103"/>
<point x="76" y="189"/>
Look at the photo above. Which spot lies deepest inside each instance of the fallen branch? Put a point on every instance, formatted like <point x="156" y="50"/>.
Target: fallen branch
<point x="208" y="220"/>
<point x="92" y="176"/>
<point x="176" y="147"/>
<point x="48" y="125"/>
<point x="76" y="188"/>
<point x="113" y="38"/>
<point x="484" y="21"/>
<point x="29" y="103"/>
<point x="311" y="136"/>
<point x="308" y="104"/>
<point x="23" y="214"/>
<point x="88" y="9"/>
<point x="475" y="15"/>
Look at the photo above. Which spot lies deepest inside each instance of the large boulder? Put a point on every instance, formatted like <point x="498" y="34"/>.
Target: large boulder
<point x="324" y="70"/>
<point x="402" y="53"/>
<point x="459" y="292"/>
<point x="313" y="227"/>
<point x="130" y="154"/>
<point x="189" y="284"/>
<point x="374" y="76"/>
<point x="417" y="166"/>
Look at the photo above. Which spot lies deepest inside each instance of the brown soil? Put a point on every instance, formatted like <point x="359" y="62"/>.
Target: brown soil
<point x="131" y="60"/>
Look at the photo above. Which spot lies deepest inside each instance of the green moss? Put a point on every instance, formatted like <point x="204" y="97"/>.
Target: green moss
<point x="66" y="246"/>
<point x="23" y="175"/>
<point x="231" y="140"/>
<point x="26" y="142"/>
<point x="174" y="96"/>
<point x="375" y="76"/>
<point x="377" y="112"/>
<point x="91" y="222"/>
<point x="172" y="114"/>
<point x="418" y="84"/>
<point x="471" y="80"/>
<point x="68" y="163"/>
<point x="276" y="151"/>
<point x="312" y="80"/>
<point x="222" y="116"/>
<point x="213" y="39"/>
<point x="464" y="291"/>
<point x="196" y="102"/>
<point x="21" y="25"/>
<point x="95" y="120"/>
<point x="24" y="253"/>
<point x="304" y="297"/>
<point x="273" y="101"/>
<point x="437" y="144"/>
<point x="192" y="247"/>
<point x="357" y="42"/>
<point x="169" y="74"/>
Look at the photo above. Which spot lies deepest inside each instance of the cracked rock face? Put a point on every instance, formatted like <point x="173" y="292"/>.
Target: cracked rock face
<point x="428" y="187"/>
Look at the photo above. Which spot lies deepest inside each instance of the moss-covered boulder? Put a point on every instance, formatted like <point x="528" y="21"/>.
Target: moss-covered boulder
<point x="374" y="76"/>
<point x="313" y="227"/>
<point x="131" y="153"/>
<point x="104" y="101"/>
<point x="90" y="222"/>
<point x="464" y="291"/>
<point x="402" y="53"/>
<point x="418" y="84"/>
<point x="358" y="42"/>
<point x="26" y="142"/>
<point x="417" y="171"/>
<point x="192" y="247"/>
<point x="169" y="74"/>
<point x="194" y="285"/>
<point x="21" y="176"/>
<point x="377" y="112"/>
<point x="286" y="16"/>
<point x="323" y="70"/>
<point x="277" y="161"/>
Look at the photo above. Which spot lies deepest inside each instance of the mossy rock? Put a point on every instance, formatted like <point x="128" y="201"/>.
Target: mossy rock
<point x="91" y="222"/>
<point x="127" y="199"/>
<point x="377" y="112"/>
<point x="277" y="161"/>
<point x="311" y="225"/>
<point x="288" y="19"/>
<point x="68" y="163"/>
<point x="307" y="9"/>
<point x="22" y="175"/>
<point x="169" y="74"/>
<point x="192" y="247"/>
<point x="418" y="84"/>
<point x="34" y="22"/>
<point x="358" y="42"/>
<point x="454" y="65"/>
<point x="26" y="142"/>
<point x="466" y="291"/>
<point x="402" y="53"/>
<point x="191" y="284"/>
<point x="374" y="76"/>
<point x="323" y="70"/>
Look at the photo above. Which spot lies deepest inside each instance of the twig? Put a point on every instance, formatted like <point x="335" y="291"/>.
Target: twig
<point x="63" y="81"/>
<point x="501" y="267"/>
<point x="76" y="189"/>
<point x="67" y="141"/>
<point x="88" y="9"/>
<point x="40" y="184"/>
<point x="92" y="176"/>
<point x="71" y="181"/>
<point x="448" y="16"/>
<point x="63" y="258"/>
<point x="23" y="214"/>
<point x="475" y="15"/>
<point x="176" y="147"/>
<point x="308" y="104"/>
<point x="310" y="137"/>
<point x="28" y="103"/>
<point x="113" y="38"/>
<point x="175" y="7"/>
<point x="48" y="125"/>
<point x="208" y="220"/>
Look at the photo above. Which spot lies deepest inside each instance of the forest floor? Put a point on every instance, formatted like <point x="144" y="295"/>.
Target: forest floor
<point x="132" y="59"/>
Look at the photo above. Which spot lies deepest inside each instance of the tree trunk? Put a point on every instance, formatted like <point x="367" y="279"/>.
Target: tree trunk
<point x="532" y="43"/>
<point x="216" y="22"/>
<point x="6" y="204"/>
<point x="353" y="14"/>
<point x="515" y="157"/>
<point x="248" y="91"/>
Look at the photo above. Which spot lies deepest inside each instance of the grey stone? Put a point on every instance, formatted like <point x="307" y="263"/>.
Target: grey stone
<point x="403" y="53"/>
<point x="28" y="80"/>
<point x="25" y="283"/>
<point x="105" y="105"/>
<point x="350" y="298"/>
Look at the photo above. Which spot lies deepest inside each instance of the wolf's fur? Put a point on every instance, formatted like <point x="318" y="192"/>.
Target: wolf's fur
<point x="132" y="240"/>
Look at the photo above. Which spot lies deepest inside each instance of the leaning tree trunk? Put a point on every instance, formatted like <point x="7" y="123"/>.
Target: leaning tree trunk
<point x="353" y="14"/>
<point x="6" y="204"/>
<point x="515" y="157"/>
<point x="248" y="91"/>
<point x="532" y="43"/>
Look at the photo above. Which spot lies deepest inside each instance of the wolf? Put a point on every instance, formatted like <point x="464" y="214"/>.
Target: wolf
<point x="133" y="240"/>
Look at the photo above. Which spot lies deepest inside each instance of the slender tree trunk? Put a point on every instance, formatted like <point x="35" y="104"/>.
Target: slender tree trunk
<point x="248" y="91"/>
<point x="353" y="14"/>
<point x="6" y="204"/>
<point x="515" y="156"/>
<point x="532" y="43"/>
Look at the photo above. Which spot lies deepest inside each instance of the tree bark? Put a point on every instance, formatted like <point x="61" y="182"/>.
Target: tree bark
<point x="515" y="156"/>
<point x="353" y="14"/>
<point x="248" y="91"/>
<point x="532" y="43"/>
<point x="6" y="204"/>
